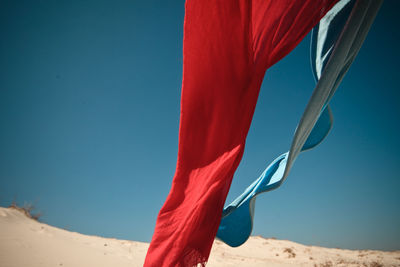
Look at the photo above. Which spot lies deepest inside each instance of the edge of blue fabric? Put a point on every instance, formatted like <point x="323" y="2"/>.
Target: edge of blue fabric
<point x="334" y="36"/>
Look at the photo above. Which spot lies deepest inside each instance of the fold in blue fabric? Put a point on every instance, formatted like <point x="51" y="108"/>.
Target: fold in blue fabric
<point x="335" y="43"/>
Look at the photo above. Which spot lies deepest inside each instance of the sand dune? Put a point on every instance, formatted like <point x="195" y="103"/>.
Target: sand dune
<point x="26" y="242"/>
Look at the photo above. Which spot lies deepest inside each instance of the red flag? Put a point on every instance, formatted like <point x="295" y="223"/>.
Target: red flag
<point x="227" y="47"/>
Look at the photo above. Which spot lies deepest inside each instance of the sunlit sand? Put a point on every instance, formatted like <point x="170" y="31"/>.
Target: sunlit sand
<point x="27" y="242"/>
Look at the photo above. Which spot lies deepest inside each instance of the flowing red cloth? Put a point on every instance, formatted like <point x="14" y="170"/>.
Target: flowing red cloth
<point x="227" y="47"/>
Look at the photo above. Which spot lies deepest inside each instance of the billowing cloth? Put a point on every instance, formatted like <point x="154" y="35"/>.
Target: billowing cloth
<point x="336" y="41"/>
<point x="227" y="47"/>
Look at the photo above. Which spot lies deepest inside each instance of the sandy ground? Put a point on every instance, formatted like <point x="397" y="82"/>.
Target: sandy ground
<point x="25" y="242"/>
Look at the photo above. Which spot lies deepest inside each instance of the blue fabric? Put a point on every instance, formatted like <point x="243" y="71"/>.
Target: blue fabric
<point x="328" y="38"/>
<point x="237" y="218"/>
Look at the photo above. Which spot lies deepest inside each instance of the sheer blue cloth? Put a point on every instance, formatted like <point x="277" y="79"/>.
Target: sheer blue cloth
<point x="335" y="43"/>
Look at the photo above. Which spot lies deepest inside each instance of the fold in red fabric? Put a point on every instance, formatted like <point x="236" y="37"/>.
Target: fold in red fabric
<point x="227" y="47"/>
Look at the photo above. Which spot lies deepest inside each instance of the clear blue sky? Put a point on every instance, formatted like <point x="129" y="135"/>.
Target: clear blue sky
<point x="89" y="115"/>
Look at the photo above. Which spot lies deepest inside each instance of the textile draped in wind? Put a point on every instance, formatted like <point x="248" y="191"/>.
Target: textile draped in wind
<point x="335" y="41"/>
<point x="227" y="47"/>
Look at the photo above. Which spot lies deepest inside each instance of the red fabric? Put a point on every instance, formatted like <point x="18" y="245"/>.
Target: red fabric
<point x="228" y="45"/>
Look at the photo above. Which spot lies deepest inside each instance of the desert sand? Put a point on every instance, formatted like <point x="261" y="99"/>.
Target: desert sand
<point x="25" y="242"/>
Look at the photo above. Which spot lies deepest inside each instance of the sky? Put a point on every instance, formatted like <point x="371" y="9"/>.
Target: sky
<point x="89" y="119"/>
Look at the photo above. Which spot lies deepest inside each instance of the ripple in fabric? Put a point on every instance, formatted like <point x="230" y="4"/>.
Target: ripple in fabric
<point x="227" y="47"/>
